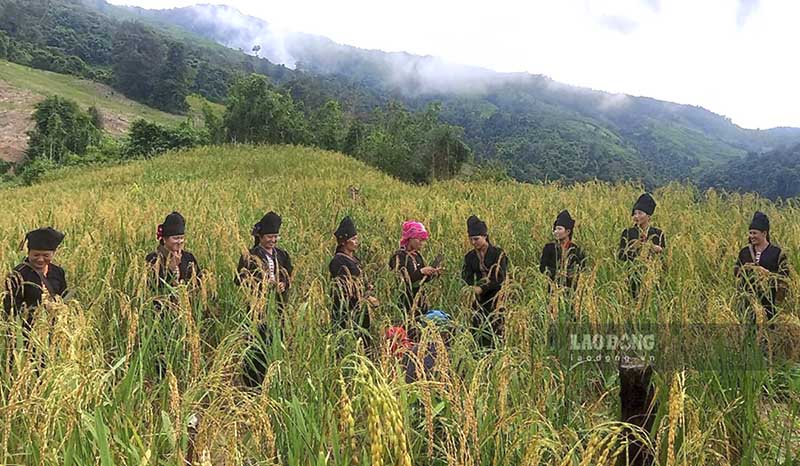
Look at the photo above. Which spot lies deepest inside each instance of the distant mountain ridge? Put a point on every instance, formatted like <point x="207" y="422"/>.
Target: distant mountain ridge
<point x="529" y="126"/>
<point x="524" y="120"/>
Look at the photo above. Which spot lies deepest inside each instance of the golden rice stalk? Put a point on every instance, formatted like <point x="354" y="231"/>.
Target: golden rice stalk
<point x="175" y="407"/>
<point x="676" y="406"/>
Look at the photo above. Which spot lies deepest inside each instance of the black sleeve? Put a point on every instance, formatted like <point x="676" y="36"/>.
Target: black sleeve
<point x="286" y="277"/>
<point x="151" y="258"/>
<point x="662" y="239"/>
<point x="196" y="271"/>
<point x="339" y="268"/>
<point x="12" y="298"/>
<point x="623" y="245"/>
<point x="242" y="270"/>
<point x="402" y="262"/>
<point x="62" y="289"/>
<point x="581" y="258"/>
<point x="334" y="267"/>
<point x="497" y="273"/>
<point x="156" y="277"/>
<point x="783" y="264"/>
<point x="547" y="261"/>
<point x="467" y="273"/>
<point x="415" y="272"/>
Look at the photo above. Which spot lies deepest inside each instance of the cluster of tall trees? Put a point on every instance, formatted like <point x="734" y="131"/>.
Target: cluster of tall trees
<point x="416" y="147"/>
<point x="149" y="70"/>
<point x="774" y="174"/>
<point x="66" y="134"/>
<point x="146" y="63"/>
<point x="160" y="69"/>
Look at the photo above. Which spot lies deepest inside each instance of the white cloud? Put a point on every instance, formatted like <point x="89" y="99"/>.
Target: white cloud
<point x="746" y="7"/>
<point x="734" y="57"/>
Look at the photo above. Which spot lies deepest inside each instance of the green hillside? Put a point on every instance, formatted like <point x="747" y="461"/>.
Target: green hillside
<point x="22" y="87"/>
<point x="666" y="141"/>
<point x="532" y="126"/>
<point x="85" y="92"/>
<point x="121" y="380"/>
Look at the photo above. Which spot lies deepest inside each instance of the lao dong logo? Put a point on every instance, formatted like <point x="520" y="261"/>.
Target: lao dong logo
<point x="624" y="342"/>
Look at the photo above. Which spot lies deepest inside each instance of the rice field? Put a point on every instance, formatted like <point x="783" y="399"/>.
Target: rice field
<point x="107" y="379"/>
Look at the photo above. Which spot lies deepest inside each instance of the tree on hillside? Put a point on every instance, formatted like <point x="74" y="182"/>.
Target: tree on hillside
<point x="138" y="57"/>
<point x="61" y="128"/>
<point x="172" y="86"/>
<point x="212" y="122"/>
<point x="211" y="82"/>
<point x="355" y="137"/>
<point x="328" y="126"/>
<point x="445" y="152"/>
<point x="257" y="113"/>
<point x="97" y="117"/>
<point x="415" y="147"/>
<point x="146" y="138"/>
<point x="773" y="183"/>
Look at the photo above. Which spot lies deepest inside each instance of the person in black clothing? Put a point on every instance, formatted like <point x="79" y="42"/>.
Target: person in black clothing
<point x="267" y="267"/>
<point x="350" y="291"/>
<point x="485" y="270"/>
<point x="264" y="269"/>
<point x="638" y="407"/>
<point x="171" y="264"/>
<point x="37" y="279"/>
<point x="408" y="263"/>
<point x="562" y="260"/>
<point x="762" y="267"/>
<point x="642" y="236"/>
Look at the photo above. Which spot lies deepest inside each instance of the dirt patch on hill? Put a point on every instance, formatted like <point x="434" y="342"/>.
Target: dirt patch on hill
<point x="16" y="108"/>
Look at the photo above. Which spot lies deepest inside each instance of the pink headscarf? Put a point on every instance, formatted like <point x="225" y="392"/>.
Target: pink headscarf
<point x="412" y="230"/>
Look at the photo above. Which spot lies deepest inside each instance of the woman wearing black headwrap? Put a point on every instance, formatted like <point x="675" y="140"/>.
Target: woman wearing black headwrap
<point x="264" y="269"/>
<point x="485" y="269"/>
<point x="37" y="279"/>
<point x="266" y="266"/>
<point x="562" y="259"/>
<point x="642" y="236"/>
<point x="171" y="263"/>
<point x="762" y="267"/>
<point x="350" y="292"/>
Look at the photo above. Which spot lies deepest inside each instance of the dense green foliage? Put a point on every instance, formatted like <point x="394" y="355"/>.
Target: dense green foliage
<point x="415" y="147"/>
<point x="775" y="174"/>
<point x="146" y="138"/>
<point x="62" y="128"/>
<point x="153" y="66"/>
<point x="257" y="113"/>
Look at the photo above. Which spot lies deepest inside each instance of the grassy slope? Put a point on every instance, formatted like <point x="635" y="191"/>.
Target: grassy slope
<point x="86" y="93"/>
<point x="509" y="401"/>
<point x="21" y="87"/>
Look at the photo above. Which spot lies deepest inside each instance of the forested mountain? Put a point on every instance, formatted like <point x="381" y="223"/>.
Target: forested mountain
<point x="539" y="127"/>
<point x="775" y="174"/>
<point x="534" y="127"/>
